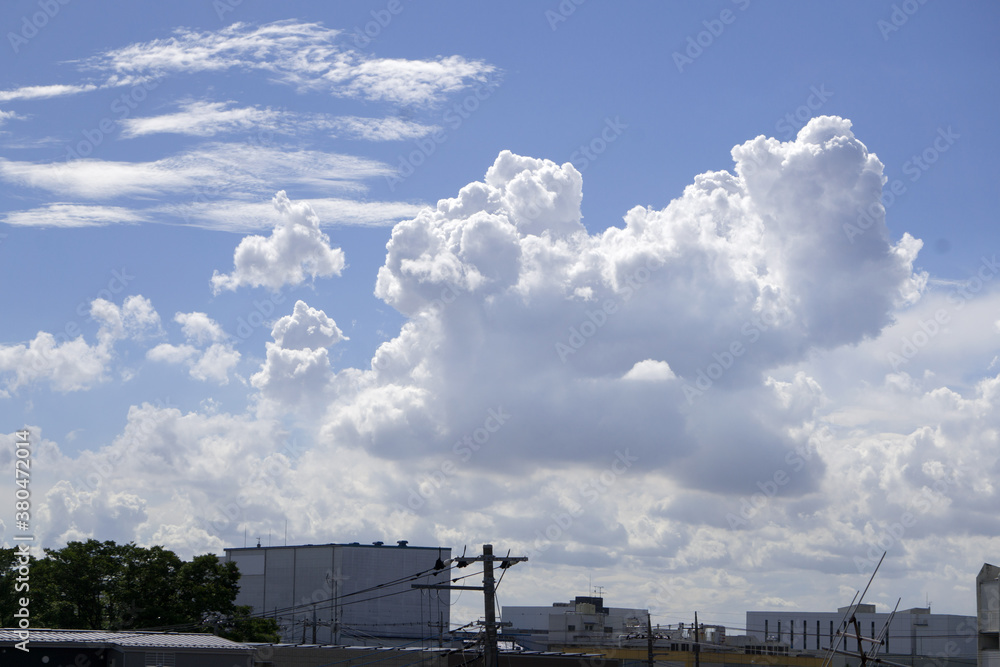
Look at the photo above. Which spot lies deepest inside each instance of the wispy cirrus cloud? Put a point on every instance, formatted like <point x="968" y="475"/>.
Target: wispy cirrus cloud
<point x="307" y="56"/>
<point x="242" y="216"/>
<point x="206" y="119"/>
<point x="44" y="92"/>
<point x="7" y="115"/>
<point x="74" y="215"/>
<point x="238" y="169"/>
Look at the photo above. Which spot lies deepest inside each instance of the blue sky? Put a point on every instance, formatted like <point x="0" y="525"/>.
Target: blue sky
<point x="145" y="149"/>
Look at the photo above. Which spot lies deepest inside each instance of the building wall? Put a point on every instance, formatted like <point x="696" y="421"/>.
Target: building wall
<point x="988" y="615"/>
<point x="705" y="658"/>
<point x="291" y="583"/>
<point x="910" y="633"/>
<point x="536" y="628"/>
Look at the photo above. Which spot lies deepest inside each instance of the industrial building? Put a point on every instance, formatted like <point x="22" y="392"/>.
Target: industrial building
<point x="914" y="636"/>
<point x="988" y="615"/>
<point x="584" y="621"/>
<point x="346" y="593"/>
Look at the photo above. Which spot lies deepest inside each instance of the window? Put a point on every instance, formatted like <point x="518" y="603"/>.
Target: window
<point x="608" y="629"/>
<point x="571" y="628"/>
<point x="159" y="659"/>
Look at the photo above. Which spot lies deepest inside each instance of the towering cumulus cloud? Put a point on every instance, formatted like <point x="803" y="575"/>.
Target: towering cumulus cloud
<point x="586" y="341"/>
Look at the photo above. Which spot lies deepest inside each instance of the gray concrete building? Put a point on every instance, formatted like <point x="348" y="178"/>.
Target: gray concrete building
<point x="915" y="636"/>
<point x="346" y="593"/>
<point x="585" y="621"/>
<point x="988" y="615"/>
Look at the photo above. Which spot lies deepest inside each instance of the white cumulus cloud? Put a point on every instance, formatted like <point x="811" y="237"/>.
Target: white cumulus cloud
<point x="208" y="354"/>
<point x="296" y="249"/>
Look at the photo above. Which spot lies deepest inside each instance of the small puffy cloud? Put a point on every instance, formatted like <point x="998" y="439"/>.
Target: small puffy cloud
<point x="215" y="363"/>
<point x="74" y="365"/>
<point x="135" y="317"/>
<point x="296" y="249"/>
<point x="650" y="370"/>
<point x="212" y="363"/>
<point x="306" y="328"/>
<point x="297" y="370"/>
<point x="200" y="328"/>
<point x="70" y="365"/>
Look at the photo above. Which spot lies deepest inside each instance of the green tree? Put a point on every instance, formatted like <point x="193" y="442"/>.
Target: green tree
<point x="71" y="585"/>
<point x="206" y="584"/>
<point x="102" y="585"/>
<point x="240" y="626"/>
<point x="144" y="594"/>
<point x="9" y="595"/>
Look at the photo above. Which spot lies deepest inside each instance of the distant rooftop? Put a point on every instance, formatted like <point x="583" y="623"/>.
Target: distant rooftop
<point x="373" y="545"/>
<point x="173" y="640"/>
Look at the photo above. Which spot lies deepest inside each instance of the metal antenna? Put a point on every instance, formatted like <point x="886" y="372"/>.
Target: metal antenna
<point x="863" y="656"/>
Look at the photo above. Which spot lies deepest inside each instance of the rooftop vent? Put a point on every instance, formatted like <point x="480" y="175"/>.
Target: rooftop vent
<point x="402" y="543"/>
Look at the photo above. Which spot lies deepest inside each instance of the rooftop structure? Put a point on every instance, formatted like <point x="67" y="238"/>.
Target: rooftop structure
<point x="988" y="615"/>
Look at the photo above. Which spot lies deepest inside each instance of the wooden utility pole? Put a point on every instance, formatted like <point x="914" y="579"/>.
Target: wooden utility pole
<point x="491" y="653"/>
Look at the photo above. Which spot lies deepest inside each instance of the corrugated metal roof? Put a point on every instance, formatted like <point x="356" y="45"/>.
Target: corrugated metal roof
<point x="124" y="639"/>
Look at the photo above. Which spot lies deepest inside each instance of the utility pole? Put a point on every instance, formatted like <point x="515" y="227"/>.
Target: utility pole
<point x="649" y="640"/>
<point x="697" y="646"/>
<point x="491" y="653"/>
<point x="314" y="623"/>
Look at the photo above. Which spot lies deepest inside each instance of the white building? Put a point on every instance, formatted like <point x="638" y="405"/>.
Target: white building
<point x="913" y="632"/>
<point x="585" y="621"/>
<point x="988" y="610"/>
<point x="346" y="593"/>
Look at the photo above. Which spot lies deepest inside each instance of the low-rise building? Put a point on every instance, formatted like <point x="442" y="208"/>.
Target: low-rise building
<point x="99" y="648"/>
<point x="914" y="636"/>
<point x="583" y="622"/>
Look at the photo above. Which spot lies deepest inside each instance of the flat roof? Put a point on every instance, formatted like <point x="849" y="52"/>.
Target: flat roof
<point x="335" y="544"/>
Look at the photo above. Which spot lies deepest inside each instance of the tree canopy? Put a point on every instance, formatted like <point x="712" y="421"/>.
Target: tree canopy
<point x="97" y="585"/>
